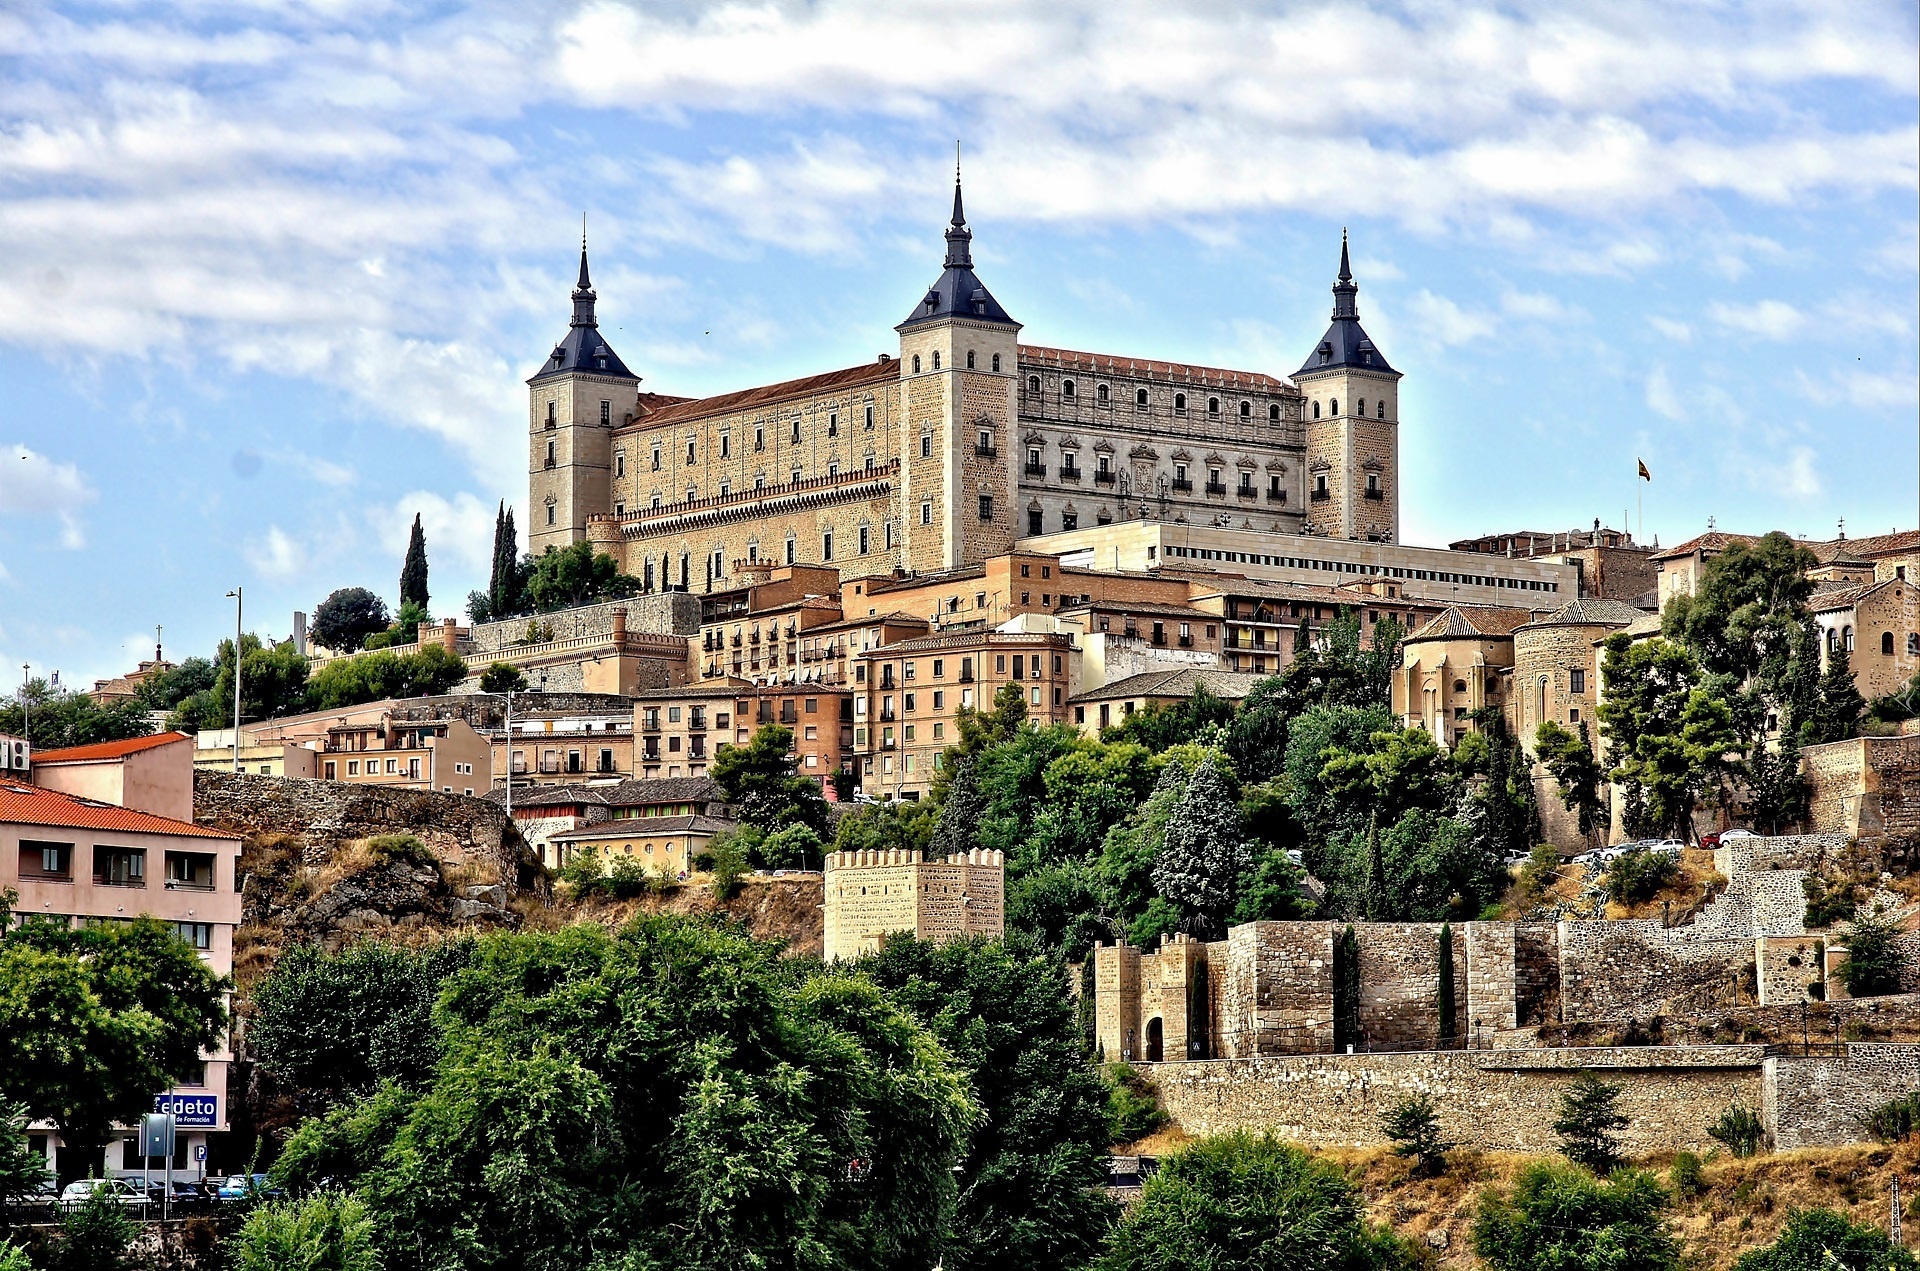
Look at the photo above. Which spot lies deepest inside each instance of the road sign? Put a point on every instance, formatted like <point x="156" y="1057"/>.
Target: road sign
<point x="199" y="1151"/>
<point x="156" y="1134"/>
<point x="190" y="1111"/>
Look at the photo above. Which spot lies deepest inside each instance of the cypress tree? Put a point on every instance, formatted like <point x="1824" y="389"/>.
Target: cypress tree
<point x="1447" y="1026"/>
<point x="513" y="582"/>
<point x="1376" y="868"/>
<point x="413" y="574"/>
<point x="1840" y="702"/>
<point x="1346" y="989"/>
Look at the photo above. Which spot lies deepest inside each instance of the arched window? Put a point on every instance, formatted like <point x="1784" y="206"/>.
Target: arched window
<point x="1833" y="640"/>
<point x="1361" y="409"/>
<point x="1886" y="643"/>
<point x="1213" y="406"/>
<point x="1246" y="410"/>
<point x="996" y="363"/>
<point x="1179" y="403"/>
<point x="1913" y="644"/>
<point x="1100" y="394"/>
<point x="1380" y="409"/>
<point x="1540" y="700"/>
<point x="1273" y="412"/>
<point x="1316" y="410"/>
<point x="1033" y="385"/>
<point x="1066" y="389"/>
<point x="1333" y="406"/>
<point x="1846" y="638"/>
<point x="969" y="359"/>
<point x="916" y="364"/>
<point x="936" y="359"/>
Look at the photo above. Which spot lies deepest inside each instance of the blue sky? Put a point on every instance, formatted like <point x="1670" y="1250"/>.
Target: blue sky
<point x="272" y="272"/>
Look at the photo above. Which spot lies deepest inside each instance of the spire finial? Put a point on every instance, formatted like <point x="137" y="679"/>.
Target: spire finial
<point x="1346" y="273"/>
<point x="1344" y="290"/>
<point x="584" y="282"/>
<point x="959" y="215"/>
<point x="959" y="237"/>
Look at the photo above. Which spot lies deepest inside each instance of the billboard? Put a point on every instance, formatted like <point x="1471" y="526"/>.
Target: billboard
<point x="190" y="1111"/>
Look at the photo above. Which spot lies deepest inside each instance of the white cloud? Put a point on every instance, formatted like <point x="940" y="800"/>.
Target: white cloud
<point x="1767" y="319"/>
<point x="459" y="533"/>
<point x="1868" y="390"/>
<point x="1660" y="396"/>
<point x="1678" y="332"/>
<point x="1443" y="323"/>
<point x="32" y="485"/>
<point x="276" y="554"/>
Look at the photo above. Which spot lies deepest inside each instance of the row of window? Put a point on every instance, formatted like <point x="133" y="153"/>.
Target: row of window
<point x="1333" y="408"/>
<point x="1841" y="638"/>
<point x="1349" y="567"/>
<point x="971" y="362"/>
<point x="115" y="866"/>
<point x="197" y="934"/>
<point x="1142" y="400"/>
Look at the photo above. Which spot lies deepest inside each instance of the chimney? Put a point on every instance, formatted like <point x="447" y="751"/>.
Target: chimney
<point x="620" y="625"/>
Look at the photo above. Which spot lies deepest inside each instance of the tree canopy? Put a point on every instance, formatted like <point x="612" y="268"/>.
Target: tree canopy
<point x="413" y="570"/>
<point x="564" y="577"/>
<point x="343" y="621"/>
<point x="370" y="677"/>
<point x="53" y="719"/>
<point x="765" y="787"/>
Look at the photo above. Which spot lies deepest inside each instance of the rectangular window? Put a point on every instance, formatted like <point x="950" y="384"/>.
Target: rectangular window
<point x="986" y="507"/>
<point x="926" y="513"/>
<point x="1577" y="681"/>
<point x="926" y="445"/>
<point x="332" y="773"/>
<point x="353" y="767"/>
<point x="200" y="936"/>
<point x="606" y="413"/>
<point x="864" y="543"/>
<point x="826" y="546"/>
<point x="939" y="698"/>
<point x="869" y="416"/>
<point x="46" y="860"/>
<point x="120" y="866"/>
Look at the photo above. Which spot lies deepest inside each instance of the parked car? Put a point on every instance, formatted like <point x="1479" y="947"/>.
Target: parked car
<point x="249" y="1187"/>
<point x="1716" y="839"/>
<point x="118" y="1190"/>
<point x="1666" y="847"/>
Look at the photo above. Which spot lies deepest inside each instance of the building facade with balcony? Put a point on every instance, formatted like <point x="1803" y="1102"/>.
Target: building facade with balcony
<point x="77" y="859"/>
<point x="678" y="731"/>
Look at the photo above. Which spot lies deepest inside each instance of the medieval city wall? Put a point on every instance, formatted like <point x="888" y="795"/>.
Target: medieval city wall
<point x="1276" y="989"/>
<point x="1818" y="1101"/>
<point x="1399" y="966"/>
<point x="669" y="613"/>
<point x="1869" y="786"/>
<point x="870" y="894"/>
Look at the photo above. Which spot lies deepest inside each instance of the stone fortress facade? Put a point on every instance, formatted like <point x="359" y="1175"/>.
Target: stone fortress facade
<point x="947" y="453"/>
<point x="871" y="894"/>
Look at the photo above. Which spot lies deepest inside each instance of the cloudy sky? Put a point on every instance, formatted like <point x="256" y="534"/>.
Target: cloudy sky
<point x="272" y="272"/>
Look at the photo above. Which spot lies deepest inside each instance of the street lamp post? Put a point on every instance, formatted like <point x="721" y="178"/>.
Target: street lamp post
<point x="237" y="602"/>
<point x="26" y="704"/>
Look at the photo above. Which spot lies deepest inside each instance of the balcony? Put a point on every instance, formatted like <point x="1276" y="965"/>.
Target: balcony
<point x="1321" y="496"/>
<point x="1105" y="478"/>
<point x="986" y="452"/>
<point x="650" y="722"/>
<point x="1216" y="487"/>
<point x="1035" y="469"/>
<point x="551" y="465"/>
<point x="966" y="677"/>
<point x="736" y="641"/>
<point x="1182" y="487"/>
<point x="1276" y="496"/>
<point x="697" y="723"/>
<point x="651" y="754"/>
<point x="1378" y="496"/>
<point x="1069" y="473"/>
<point x="1186" y="642"/>
<point x="695" y="750"/>
<point x="887" y="716"/>
<point x="549" y="767"/>
<point x="789" y="716"/>
<point x="888" y="744"/>
<point x="1247" y="492"/>
<point x="1160" y="638"/>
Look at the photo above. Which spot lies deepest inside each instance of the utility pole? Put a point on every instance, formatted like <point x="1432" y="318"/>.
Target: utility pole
<point x="1893" y="1226"/>
<point x="509" y="756"/>
<point x="238" y="600"/>
<point x="26" y="704"/>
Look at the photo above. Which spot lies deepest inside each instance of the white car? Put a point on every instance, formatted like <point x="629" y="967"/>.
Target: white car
<point x="1666" y="847"/>
<point x="118" y="1190"/>
<point x="1737" y="834"/>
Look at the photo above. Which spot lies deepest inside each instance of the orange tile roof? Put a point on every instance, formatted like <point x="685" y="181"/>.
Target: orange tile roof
<point x="32" y="805"/>
<point x="107" y="749"/>
<point x="693" y="408"/>
<point x="1151" y="368"/>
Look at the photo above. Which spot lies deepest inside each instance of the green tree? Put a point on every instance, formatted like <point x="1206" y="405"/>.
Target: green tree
<point x="1778" y="796"/>
<point x="373" y="677"/>
<point x="273" y="682"/>
<point x="165" y="690"/>
<point x="669" y="1094"/>
<point x="1133" y="1103"/>
<point x="1031" y="1182"/>
<point x="1672" y="736"/>
<point x="503" y="677"/>
<point x="1063" y="907"/>
<point x="335" y="1025"/>
<point x="1412" y="1124"/>
<point x="22" y="1170"/>
<point x="1570" y="761"/>
<point x="53" y="719"/>
<point x="343" y="621"/>
<point x="14" y="1257"/>
<point x="795" y="846"/>
<point x="1205" y="851"/>
<point x="1839" y="706"/>
<point x="981" y="730"/>
<point x="1425" y="867"/>
<point x="1240" y="1203"/>
<point x="897" y="823"/>
<point x="413" y="571"/>
<point x="1449" y="1026"/>
<point x="1159" y="727"/>
<point x="1739" y="620"/>
<point x="328" y="1231"/>
<point x="1315" y="737"/>
<point x="1822" y="1240"/>
<point x="94" y="1235"/>
<point x="1012" y="778"/>
<point x="94" y="1020"/>
<point x="1124" y="871"/>
<point x="960" y="811"/>
<point x="1558" y="1218"/>
<point x="1270" y="889"/>
<point x="765" y="787"/>
<point x="1589" y="1123"/>
<point x="506" y="580"/>
<point x="565" y="577"/>
<point x="1874" y="957"/>
<point x="1087" y="790"/>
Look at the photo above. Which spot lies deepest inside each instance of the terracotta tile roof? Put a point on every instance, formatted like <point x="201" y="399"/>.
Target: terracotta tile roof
<point x="1885" y="544"/>
<point x="640" y="826"/>
<point x="30" y="805"/>
<point x="1590" y="612"/>
<point x="1846" y="597"/>
<point x="688" y="409"/>
<point x="1232" y="685"/>
<point x="1151" y="368"/>
<point x="1713" y="541"/>
<point x="1461" y="622"/>
<point x="107" y="749"/>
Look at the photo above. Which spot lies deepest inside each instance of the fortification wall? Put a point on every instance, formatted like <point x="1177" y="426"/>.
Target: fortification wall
<point x="1400" y="982"/>
<point x="663" y="613"/>
<point x="870" y="894"/>
<point x="1634" y="969"/>
<point x="1818" y="1101"/>
<point x="1489" y="990"/>
<point x="1276" y="989"/>
<point x="1496" y="1100"/>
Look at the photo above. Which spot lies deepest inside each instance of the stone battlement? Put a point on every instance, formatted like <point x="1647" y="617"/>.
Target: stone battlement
<point x="871" y="894"/>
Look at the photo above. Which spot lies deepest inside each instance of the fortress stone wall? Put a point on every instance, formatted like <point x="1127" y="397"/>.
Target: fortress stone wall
<point x="871" y="894"/>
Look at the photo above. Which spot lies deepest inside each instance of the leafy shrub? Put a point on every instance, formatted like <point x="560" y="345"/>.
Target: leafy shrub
<point x="13" y="1257"/>
<point x="726" y="857"/>
<point x="1562" y="1218"/>
<point x="1874" y="959"/>
<point x="502" y="677"/>
<point x="1637" y="876"/>
<point x="1828" y="902"/>
<point x="1133" y="1104"/>
<point x="1821" y="1240"/>
<point x="404" y="848"/>
<point x="585" y="874"/>
<point x="1739" y="1127"/>
<point x="1588" y="1123"/>
<point x="1895" y="1119"/>
<point x="94" y="1235"/>
<point x="1687" y="1174"/>
<point x="626" y="878"/>
<point x="1413" y="1125"/>
<point x="331" y="1230"/>
<point x="1241" y="1203"/>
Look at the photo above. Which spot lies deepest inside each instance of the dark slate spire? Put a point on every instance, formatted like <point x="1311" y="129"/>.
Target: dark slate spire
<point x="958" y="293"/>
<point x="583" y="296"/>
<point x="584" y="348"/>
<point x="1346" y="343"/>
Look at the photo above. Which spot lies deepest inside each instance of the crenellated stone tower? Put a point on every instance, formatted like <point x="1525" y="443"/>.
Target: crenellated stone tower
<point x="574" y="402"/>
<point x="959" y="358"/>
<point x="1353" y="421"/>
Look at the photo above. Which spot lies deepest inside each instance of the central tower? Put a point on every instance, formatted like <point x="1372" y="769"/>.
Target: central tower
<point x="1353" y="427"/>
<point x="958" y="364"/>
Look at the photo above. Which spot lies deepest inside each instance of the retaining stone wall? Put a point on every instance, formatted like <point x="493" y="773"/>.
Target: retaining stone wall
<point x="1816" y="1102"/>
<point x="1496" y="1100"/>
<point x="663" y="613"/>
<point x="1634" y="969"/>
<point x="1400" y="981"/>
<point x="1276" y="995"/>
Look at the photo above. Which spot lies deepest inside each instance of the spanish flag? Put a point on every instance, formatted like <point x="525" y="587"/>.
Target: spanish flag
<point x="1644" y="474"/>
